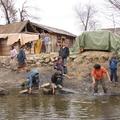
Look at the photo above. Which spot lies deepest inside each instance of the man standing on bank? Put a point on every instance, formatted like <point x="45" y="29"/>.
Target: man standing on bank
<point x="113" y="64"/>
<point x="64" y="53"/>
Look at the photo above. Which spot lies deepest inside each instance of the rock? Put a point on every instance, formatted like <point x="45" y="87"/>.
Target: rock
<point x="47" y="91"/>
<point x="47" y="60"/>
<point x="52" y="59"/>
<point x="51" y="63"/>
<point x="38" y="63"/>
<point x="3" y="91"/>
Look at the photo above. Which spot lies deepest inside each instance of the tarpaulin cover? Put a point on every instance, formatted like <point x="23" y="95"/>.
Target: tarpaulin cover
<point x="23" y="37"/>
<point x="97" y="40"/>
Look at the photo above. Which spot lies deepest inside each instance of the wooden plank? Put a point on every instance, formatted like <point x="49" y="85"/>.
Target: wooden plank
<point x="67" y="91"/>
<point x="23" y="91"/>
<point x="45" y="85"/>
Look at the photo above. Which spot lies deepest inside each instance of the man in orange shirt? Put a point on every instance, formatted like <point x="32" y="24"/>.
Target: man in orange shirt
<point x="98" y="74"/>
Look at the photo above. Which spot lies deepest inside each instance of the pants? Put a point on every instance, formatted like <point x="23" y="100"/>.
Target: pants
<point x="97" y="82"/>
<point x="65" y="66"/>
<point x="13" y="64"/>
<point x="47" y="46"/>
<point x="65" y="71"/>
<point x="113" y="75"/>
<point x="64" y="61"/>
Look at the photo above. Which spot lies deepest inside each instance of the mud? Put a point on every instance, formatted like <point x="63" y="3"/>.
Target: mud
<point x="79" y="71"/>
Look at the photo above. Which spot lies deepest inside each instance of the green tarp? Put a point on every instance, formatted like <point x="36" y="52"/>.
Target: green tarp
<point x="97" y="40"/>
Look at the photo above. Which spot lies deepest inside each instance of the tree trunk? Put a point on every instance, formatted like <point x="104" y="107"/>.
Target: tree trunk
<point x="6" y="13"/>
<point x="88" y="15"/>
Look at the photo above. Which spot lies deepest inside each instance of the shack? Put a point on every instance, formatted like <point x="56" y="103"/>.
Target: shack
<point x="56" y="35"/>
<point x="16" y="39"/>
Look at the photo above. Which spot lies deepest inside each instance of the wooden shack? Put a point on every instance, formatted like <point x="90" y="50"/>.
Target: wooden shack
<point x="56" y="35"/>
<point x="3" y="47"/>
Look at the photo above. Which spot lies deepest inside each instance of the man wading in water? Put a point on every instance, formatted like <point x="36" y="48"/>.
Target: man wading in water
<point x="98" y="74"/>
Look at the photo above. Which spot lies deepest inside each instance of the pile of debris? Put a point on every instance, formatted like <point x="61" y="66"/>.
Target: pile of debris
<point x="42" y="59"/>
<point x="5" y="62"/>
<point x="91" y="56"/>
<point x="32" y="60"/>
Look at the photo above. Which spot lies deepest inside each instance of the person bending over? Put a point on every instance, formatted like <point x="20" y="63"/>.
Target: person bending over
<point x="33" y="80"/>
<point x="57" y="80"/>
<point x="98" y="74"/>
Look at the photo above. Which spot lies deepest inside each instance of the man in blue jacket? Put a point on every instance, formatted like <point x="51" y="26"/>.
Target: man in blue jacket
<point x="113" y="62"/>
<point x="21" y="57"/>
<point x="33" y="79"/>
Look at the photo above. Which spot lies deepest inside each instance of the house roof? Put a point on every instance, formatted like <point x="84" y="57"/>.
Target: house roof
<point x="17" y="27"/>
<point x="54" y="30"/>
<point x="113" y="30"/>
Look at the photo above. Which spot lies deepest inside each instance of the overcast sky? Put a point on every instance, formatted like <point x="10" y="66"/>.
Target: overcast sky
<point x="61" y="14"/>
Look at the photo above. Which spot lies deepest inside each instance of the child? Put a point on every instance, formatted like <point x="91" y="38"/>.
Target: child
<point x="13" y="56"/>
<point x="59" y="65"/>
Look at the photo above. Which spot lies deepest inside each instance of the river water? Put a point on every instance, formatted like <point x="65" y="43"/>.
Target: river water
<point x="59" y="107"/>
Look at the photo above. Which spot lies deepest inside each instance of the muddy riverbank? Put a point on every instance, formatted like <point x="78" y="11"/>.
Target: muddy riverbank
<point x="15" y="106"/>
<point x="79" y="69"/>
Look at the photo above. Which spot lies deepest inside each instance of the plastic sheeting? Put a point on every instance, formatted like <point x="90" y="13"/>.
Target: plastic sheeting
<point x="97" y="40"/>
<point x="23" y="37"/>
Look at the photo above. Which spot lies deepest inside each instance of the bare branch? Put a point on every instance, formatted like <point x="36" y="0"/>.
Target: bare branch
<point x="24" y="14"/>
<point x="115" y="3"/>
<point x="86" y="15"/>
<point x="8" y="9"/>
<point x="113" y="12"/>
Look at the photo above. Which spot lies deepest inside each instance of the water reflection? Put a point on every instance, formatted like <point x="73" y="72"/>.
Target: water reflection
<point x="60" y="106"/>
<point x="71" y="107"/>
<point x="107" y="109"/>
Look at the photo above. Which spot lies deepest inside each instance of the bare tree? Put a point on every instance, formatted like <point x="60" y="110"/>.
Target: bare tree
<point x="23" y="12"/>
<point x="86" y="15"/>
<point x="8" y="9"/>
<point x="115" y="4"/>
<point x="112" y="12"/>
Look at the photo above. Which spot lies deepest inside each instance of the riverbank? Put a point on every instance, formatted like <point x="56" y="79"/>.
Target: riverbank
<point x="79" y="69"/>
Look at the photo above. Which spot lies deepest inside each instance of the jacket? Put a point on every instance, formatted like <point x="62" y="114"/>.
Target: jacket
<point x="64" y="52"/>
